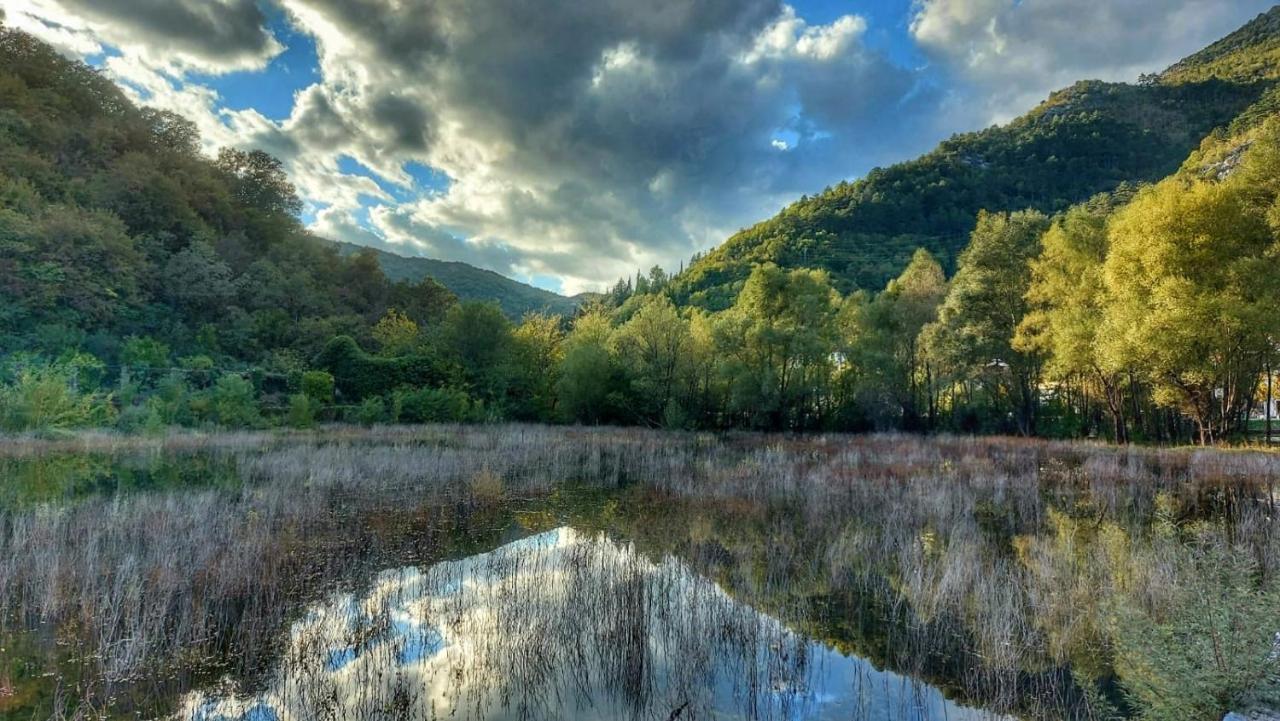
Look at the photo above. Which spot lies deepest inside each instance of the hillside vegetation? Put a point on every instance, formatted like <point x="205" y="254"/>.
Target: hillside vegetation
<point x="470" y="283"/>
<point x="114" y="226"/>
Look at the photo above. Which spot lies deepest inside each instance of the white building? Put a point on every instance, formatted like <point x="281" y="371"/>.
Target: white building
<point x="1260" y="413"/>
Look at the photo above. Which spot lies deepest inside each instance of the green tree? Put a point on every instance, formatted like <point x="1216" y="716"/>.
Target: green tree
<point x="477" y="336"/>
<point x="539" y="351"/>
<point x="259" y="181"/>
<point x="396" y="333"/>
<point x="653" y="349"/>
<point x="38" y="395"/>
<point x="302" y="411"/>
<point x="318" y="386"/>
<point x="233" y="402"/>
<point x="590" y="383"/>
<point x="973" y="336"/>
<point x="197" y="281"/>
<point x="777" y="342"/>
<point x="1067" y="300"/>
<point x="1193" y="275"/>
<point x="892" y="377"/>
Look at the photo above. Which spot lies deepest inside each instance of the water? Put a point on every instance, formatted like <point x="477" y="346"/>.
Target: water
<point x="567" y="625"/>
<point x="533" y="573"/>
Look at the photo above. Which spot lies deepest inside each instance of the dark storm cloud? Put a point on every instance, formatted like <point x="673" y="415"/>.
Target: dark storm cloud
<point x="629" y="133"/>
<point x="212" y="34"/>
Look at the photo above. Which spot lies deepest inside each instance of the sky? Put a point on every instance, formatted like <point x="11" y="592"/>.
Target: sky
<point x="568" y="143"/>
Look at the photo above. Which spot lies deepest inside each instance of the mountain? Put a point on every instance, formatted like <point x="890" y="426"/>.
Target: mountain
<point x="470" y="283"/>
<point x="1084" y="140"/>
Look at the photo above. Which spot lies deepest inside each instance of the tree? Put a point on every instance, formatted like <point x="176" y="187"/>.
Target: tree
<point x="590" y="382"/>
<point x="318" y="386"/>
<point x="38" y="395"/>
<point x="426" y="302"/>
<point x="539" y="351"/>
<point x="197" y="281"/>
<point x="652" y="346"/>
<point x="881" y="348"/>
<point x="234" y="403"/>
<point x="777" y="340"/>
<point x="987" y="299"/>
<point x="364" y="287"/>
<point x="1067" y="300"/>
<point x="477" y="336"/>
<point x="1193" y="278"/>
<point x="259" y="181"/>
<point x="396" y="333"/>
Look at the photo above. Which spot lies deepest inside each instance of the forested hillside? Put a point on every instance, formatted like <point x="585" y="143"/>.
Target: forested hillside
<point x="470" y="283"/>
<point x="1084" y="140"/>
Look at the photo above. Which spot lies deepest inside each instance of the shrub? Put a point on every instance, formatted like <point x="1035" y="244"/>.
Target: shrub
<point x="318" y="386"/>
<point x="141" y="419"/>
<point x="44" y="396"/>
<point x="358" y="375"/>
<point x="302" y="411"/>
<point x="371" y="411"/>
<point x="233" y="402"/>
<point x="172" y="400"/>
<point x="433" y="405"/>
<point x="486" y="486"/>
<point x="144" y="353"/>
<point x="199" y="370"/>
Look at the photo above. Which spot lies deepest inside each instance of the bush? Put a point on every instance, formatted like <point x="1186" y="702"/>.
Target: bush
<point x="198" y="369"/>
<point x="302" y="411"/>
<point x="141" y="419"/>
<point x="358" y="375"/>
<point x="172" y="400"/>
<point x="433" y="405"/>
<point x="233" y="402"/>
<point x="318" y="386"/>
<point x="371" y="411"/>
<point x="43" y="396"/>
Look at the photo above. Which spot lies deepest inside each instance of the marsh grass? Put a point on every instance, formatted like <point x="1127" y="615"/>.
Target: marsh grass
<point x="1048" y="579"/>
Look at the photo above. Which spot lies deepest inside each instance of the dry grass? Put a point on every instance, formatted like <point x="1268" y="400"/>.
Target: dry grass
<point x="992" y="566"/>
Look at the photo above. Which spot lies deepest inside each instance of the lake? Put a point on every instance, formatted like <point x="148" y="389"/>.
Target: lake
<point x="517" y="572"/>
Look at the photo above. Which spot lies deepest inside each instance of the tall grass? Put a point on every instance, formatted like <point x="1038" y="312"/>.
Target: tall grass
<point x="1048" y="579"/>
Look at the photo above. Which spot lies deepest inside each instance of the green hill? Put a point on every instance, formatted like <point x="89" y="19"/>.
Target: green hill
<point x="1084" y="140"/>
<point x="113" y="225"/>
<point x="470" y="283"/>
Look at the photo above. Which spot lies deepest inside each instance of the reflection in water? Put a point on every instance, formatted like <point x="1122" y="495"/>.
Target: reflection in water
<point x="561" y="625"/>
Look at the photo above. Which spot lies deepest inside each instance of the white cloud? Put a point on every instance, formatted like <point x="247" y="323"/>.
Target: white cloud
<point x="1015" y="52"/>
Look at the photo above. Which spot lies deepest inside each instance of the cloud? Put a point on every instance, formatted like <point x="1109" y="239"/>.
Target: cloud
<point x="585" y="140"/>
<point x="647" y="134"/>
<point x="1015" y="52"/>
<point x="213" y="36"/>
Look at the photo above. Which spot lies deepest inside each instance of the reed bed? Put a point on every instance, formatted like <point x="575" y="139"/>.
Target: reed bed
<point x="1051" y="580"/>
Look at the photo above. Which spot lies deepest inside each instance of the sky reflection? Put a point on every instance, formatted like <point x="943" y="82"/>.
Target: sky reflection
<point x="567" y="626"/>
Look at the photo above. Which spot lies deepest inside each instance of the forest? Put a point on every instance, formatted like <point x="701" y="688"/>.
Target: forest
<point x="144" y="285"/>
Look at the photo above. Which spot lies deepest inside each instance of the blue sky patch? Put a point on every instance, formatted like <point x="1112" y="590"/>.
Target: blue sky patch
<point x="270" y="91"/>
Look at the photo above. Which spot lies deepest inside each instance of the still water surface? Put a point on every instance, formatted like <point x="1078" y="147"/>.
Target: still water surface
<point x="562" y="624"/>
